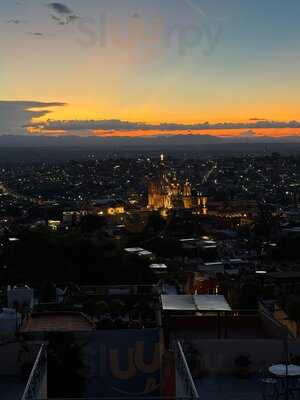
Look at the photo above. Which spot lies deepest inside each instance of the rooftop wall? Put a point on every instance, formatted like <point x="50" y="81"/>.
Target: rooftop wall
<point x="13" y="355"/>
<point x="231" y="327"/>
<point x="218" y="356"/>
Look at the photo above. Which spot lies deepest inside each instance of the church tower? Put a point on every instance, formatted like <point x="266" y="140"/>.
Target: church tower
<point x="187" y="195"/>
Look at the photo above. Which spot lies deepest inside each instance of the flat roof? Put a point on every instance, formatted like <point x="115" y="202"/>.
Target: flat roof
<point x="11" y="387"/>
<point x="56" y="322"/>
<point x="194" y="303"/>
<point x="294" y="229"/>
<point x="145" y="253"/>
<point x="177" y="302"/>
<point x="134" y="249"/>
<point x="284" y="275"/>
<point x="213" y="264"/>
<point x="158" y="266"/>
<point x="211" y="303"/>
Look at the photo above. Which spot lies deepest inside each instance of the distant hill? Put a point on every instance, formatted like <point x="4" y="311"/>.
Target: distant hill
<point x="46" y="148"/>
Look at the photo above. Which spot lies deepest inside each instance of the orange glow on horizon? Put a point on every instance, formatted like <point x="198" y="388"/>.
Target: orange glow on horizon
<point x="271" y="132"/>
<point x="89" y="112"/>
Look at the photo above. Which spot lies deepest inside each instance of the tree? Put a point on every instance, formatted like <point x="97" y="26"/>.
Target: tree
<point x="48" y="292"/>
<point x="117" y="307"/>
<point x="155" y="223"/>
<point x="66" y="367"/>
<point x="249" y="296"/>
<point x="102" y="308"/>
<point x="167" y="248"/>
<point x="76" y="254"/>
<point x="293" y="311"/>
<point x="92" y="223"/>
<point x="287" y="249"/>
<point x="266" y="224"/>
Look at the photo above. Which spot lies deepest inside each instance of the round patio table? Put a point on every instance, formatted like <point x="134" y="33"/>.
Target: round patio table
<point x="281" y="370"/>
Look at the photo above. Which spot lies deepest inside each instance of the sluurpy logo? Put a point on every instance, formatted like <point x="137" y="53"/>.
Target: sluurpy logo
<point x="209" y="30"/>
<point x="125" y="362"/>
<point x="137" y="366"/>
<point x="139" y="37"/>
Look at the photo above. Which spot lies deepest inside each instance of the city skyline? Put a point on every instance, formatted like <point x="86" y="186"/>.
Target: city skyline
<point x="131" y="68"/>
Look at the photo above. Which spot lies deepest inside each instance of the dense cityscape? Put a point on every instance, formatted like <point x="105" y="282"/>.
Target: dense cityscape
<point x="123" y="243"/>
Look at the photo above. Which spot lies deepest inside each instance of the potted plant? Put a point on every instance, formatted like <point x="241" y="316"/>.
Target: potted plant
<point x="295" y="360"/>
<point x="243" y="363"/>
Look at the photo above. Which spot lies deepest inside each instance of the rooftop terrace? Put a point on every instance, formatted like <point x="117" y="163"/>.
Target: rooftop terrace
<point x="11" y="387"/>
<point x="229" y="388"/>
<point x="57" y="322"/>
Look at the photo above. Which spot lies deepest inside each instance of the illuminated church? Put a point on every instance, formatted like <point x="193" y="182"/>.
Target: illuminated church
<point x="167" y="193"/>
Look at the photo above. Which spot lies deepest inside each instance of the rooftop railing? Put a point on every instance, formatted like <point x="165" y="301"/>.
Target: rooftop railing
<point x="119" y="398"/>
<point x="36" y="387"/>
<point x="185" y="386"/>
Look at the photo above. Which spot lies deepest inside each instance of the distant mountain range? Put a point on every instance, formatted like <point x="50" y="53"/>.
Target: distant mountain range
<point x="47" y="148"/>
<point x="149" y="141"/>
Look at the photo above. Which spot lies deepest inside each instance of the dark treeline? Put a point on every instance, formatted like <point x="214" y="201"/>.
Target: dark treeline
<point x="85" y="256"/>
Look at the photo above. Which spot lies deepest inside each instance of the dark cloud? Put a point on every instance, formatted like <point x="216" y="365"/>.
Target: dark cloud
<point x="257" y="119"/>
<point x="16" y="21"/>
<point x="64" y="21"/>
<point x="38" y="34"/>
<point x="119" y="125"/>
<point x="72" y="18"/>
<point x="248" y="133"/>
<point x="60" y="8"/>
<point x="15" y="116"/>
<point x="62" y="14"/>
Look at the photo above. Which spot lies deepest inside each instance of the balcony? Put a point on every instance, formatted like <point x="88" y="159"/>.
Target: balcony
<point x="185" y="386"/>
<point x="36" y="388"/>
<point x="21" y="364"/>
<point x="11" y="387"/>
<point x="218" y="387"/>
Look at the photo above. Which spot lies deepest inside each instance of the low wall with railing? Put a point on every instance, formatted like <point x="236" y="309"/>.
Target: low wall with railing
<point x="15" y="355"/>
<point x="218" y="356"/>
<point x="36" y="388"/>
<point x="276" y="326"/>
<point x="185" y="386"/>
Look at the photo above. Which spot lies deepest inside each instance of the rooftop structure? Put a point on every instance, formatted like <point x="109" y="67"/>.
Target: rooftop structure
<point x="10" y="321"/>
<point x="15" y="358"/>
<point x="166" y="192"/>
<point x="134" y="250"/>
<point x="139" y="251"/>
<point x="201" y="303"/>
<point x="56" y="322"/>
<point x="20" y="296"/>
<point x="160" y="267"/>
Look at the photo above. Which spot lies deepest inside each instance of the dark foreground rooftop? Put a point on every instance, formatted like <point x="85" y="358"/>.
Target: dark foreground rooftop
<point x="57" y="322"/>
<point x="11" y="388"/>
<point x="229" y="388"/>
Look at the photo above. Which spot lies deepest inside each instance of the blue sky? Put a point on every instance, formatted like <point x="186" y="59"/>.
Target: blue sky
<point x="181" y="61"/>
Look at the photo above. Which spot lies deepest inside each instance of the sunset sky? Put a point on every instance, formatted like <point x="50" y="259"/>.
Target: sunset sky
<point x="140" y="67"/>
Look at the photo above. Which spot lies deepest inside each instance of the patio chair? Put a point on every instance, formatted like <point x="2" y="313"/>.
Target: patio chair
<point x="270" y="386"/>
<point x="294" y="389"/>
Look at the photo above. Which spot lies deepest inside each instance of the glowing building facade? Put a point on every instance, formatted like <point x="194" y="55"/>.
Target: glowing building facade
<point x="167" y="193"/>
